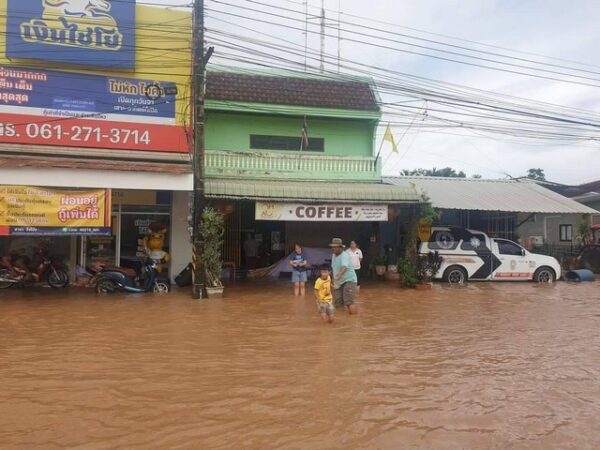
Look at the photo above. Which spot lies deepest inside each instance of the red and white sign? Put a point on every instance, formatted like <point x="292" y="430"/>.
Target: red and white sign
<point x="71" y="132"/>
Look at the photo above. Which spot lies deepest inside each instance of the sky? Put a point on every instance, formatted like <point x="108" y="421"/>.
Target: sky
<point x="557" y="29"/>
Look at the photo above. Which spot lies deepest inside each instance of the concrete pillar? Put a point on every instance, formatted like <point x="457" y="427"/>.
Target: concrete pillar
<point x="180" y="246"/>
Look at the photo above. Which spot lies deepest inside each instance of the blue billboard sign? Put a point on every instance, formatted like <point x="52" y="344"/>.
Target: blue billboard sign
<point x="51" y="92"/>
<point x="84" y="32"/>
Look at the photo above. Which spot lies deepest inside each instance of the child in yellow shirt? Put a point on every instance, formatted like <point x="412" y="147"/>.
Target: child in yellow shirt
<point x="323" y="295"/>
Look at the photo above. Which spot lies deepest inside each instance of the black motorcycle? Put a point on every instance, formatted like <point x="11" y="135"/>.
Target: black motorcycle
<point x="113" y="279"/>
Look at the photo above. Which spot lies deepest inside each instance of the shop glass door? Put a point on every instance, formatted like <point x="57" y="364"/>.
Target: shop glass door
<point x="102" y="250"/>
<point x="135" y="227"/>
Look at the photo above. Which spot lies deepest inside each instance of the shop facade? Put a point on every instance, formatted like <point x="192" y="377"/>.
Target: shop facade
<point x="290" y="159"/>
<point x="117" y="123"/>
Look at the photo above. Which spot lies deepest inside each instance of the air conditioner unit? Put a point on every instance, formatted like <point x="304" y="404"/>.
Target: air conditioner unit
<point x="536" y="241"/>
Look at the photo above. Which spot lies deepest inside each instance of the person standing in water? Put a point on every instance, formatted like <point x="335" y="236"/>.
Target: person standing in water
<point x="356" y="257"/>
<point x="299" y="275"/>
<point x="323" y="295"/>
<point x="344" y="277"/>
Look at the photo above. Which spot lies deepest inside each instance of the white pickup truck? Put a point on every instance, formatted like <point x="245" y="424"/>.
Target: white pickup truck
<point x="472" y="255"/>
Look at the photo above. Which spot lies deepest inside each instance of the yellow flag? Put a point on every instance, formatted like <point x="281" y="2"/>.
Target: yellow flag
<point x="388" y="136"/>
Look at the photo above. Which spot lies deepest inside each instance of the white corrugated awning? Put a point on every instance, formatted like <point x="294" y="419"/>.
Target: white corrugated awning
<point x="100" y="178"/>
<point x="310" y="191"/>
<point x="491" y="195"/>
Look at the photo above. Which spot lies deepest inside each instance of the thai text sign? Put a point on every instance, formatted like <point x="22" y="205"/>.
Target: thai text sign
<point x="26" y="210"/>
<point x="88" y="32"/>
<point x="321" y="213"/>
<point x="47" y="107"/>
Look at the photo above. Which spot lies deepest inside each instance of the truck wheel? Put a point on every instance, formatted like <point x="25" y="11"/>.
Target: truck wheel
<point x="455" y="275"/>
<point x="544" y="275"/>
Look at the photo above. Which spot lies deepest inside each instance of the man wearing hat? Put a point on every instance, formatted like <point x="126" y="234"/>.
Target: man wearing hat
<point x="344" y="277"/>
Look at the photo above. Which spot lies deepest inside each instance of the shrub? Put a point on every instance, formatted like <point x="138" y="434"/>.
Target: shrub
<point x="212" y="229"/>
<point x="408" y="272"/>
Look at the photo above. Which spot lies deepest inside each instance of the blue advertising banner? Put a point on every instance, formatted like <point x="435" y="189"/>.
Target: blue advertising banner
<point x="55" y="93"/>
<point x="85" y="32"/>
<point x="59" y="231"/>
<point x="45" y="107"/>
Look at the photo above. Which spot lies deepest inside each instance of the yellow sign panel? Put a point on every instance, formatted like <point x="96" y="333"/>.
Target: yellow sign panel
<point x="37" y="207"/>
<point x="133" y="197"/>
<point x="424" y="231"/>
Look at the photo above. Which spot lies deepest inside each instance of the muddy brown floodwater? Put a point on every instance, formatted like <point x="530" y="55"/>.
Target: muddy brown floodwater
<point x="506" y="366"/>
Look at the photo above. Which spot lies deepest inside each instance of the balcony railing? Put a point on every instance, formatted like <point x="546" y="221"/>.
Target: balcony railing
<point x="267" y="165"/>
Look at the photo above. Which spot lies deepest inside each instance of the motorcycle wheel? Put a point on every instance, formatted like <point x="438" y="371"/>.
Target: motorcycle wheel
<point x="105" y="286"/>
<point x="58" y="278"/>
<point x="160" y="287"/>
<point x="5" y="273"/>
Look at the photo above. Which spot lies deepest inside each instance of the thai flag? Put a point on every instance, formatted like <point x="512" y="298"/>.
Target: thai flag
<point x="304" y="143"/>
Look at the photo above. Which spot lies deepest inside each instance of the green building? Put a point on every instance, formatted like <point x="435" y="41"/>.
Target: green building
<point x="278" y="188"/>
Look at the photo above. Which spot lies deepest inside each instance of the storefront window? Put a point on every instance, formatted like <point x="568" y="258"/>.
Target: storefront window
<point x="135" y="225"/>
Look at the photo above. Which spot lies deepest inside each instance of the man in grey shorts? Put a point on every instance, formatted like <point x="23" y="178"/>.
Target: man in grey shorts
<point x="344" y="277"/>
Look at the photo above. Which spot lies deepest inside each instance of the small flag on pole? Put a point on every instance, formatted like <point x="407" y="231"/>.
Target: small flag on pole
<point x="388" y="136"/>
<point x="304" y="142"/>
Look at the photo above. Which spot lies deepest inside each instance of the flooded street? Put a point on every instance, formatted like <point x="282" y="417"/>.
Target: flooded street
<point x="506" y="366"/>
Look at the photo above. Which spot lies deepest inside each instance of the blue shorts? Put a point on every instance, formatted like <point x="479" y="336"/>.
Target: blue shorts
<point x="299" y="277"/>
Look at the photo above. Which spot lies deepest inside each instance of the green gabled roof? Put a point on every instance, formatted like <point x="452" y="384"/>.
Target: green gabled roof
<point x="309" y="191"/>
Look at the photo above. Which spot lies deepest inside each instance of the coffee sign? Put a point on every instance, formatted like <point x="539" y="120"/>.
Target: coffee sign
<point x="321" y="213"/>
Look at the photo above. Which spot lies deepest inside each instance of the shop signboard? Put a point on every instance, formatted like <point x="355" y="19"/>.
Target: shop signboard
<point x="424" y="230"/>
<point x="321" y="213"/>
<point x="84" y="32"/>
<point x="28" y="210"/>
<point x="45" y="107"/>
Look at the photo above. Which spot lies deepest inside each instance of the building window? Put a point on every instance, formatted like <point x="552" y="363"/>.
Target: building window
<point x="566" y="233"/>
<point x="291" y="143"/>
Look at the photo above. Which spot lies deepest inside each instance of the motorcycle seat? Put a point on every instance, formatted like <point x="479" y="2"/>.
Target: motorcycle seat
<point x="124" y="270"/>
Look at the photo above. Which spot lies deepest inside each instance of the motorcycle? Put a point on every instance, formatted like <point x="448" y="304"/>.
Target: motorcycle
<point x="113" y="279"/>
<point x="48" y="269"/>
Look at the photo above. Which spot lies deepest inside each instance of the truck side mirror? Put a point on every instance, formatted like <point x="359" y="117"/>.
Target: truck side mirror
<point x="523" y="252"/>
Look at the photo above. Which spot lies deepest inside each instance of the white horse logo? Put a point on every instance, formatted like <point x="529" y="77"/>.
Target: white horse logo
<point x="95" y="11"/>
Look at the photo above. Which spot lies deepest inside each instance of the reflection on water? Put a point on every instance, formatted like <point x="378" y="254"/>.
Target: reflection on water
<point x="502" y="366"/>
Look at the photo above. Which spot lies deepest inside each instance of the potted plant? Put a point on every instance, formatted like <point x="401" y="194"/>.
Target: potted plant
<point x="407" y="272"/>
<point x="425" y="268"/>
<point x="379" y="262"/>
<point x="212" y="229"/>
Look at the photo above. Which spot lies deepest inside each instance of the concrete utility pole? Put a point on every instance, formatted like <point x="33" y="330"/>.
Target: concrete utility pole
<point x="198" y="68"/>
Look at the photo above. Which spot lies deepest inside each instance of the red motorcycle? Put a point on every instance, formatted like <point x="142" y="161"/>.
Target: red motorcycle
<point x="44" y="269"/>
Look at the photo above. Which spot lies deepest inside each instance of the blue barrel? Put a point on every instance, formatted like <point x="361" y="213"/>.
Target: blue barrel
<point x="580" y="275"/>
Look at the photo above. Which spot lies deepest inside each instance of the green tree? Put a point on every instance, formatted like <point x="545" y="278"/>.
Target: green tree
<point x="536" y="174"/>
<point x="446" y="172"/>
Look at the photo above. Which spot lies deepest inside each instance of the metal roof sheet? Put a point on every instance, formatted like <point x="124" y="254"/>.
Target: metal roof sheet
<point x="309" y="191"/>
<point x="491" y="195"/>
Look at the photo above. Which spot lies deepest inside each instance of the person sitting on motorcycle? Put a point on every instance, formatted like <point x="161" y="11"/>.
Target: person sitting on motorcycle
<point x="17" y="265"/>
